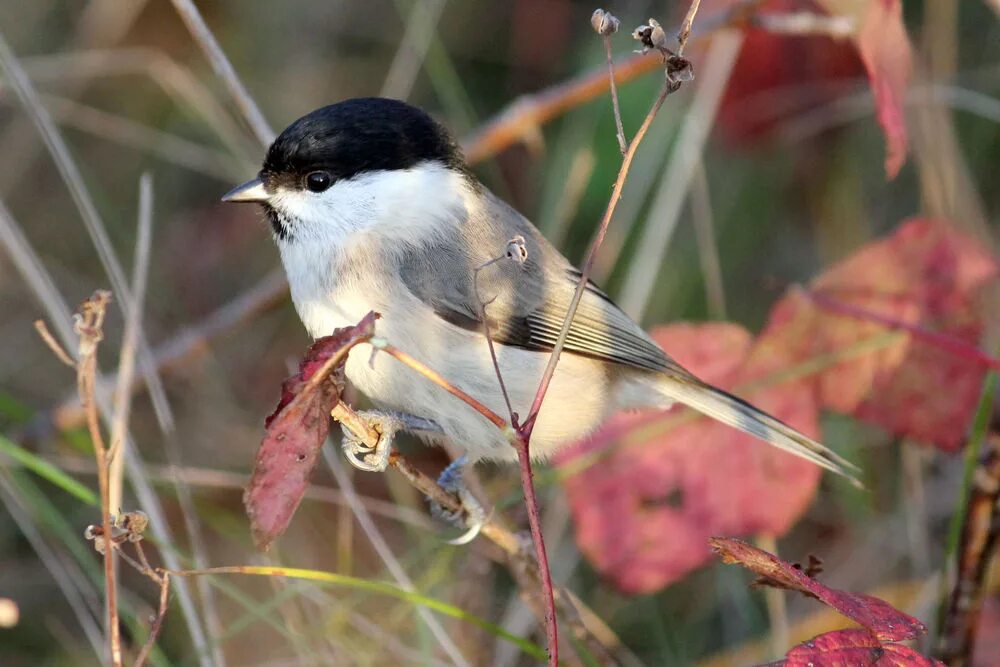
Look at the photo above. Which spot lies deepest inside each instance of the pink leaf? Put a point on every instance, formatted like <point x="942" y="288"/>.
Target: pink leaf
<point x="692" y="478"/>
<point x="888" y="58"/>
<point x="295" y="432"/>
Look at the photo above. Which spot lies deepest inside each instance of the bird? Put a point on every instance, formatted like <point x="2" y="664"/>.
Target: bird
<point x="374" y="208"/>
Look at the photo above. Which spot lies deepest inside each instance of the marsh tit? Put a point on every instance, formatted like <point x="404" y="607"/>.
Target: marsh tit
<point x="373" y="208"/>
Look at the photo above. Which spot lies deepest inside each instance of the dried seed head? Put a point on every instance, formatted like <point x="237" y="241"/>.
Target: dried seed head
<point x="604" y="22"/>
<point x="679" y="70"/>
<point x="651" y="36"/>
<point x="134" y="524"/>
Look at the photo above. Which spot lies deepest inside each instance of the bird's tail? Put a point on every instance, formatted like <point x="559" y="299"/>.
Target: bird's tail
<point x="736" y="412"/>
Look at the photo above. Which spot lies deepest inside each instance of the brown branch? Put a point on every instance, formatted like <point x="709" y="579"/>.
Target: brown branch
<point x="440" y="381"/>
<point x="154" y="630"/>
<point x="979" y="542"/>
<point x="89" y="325"/>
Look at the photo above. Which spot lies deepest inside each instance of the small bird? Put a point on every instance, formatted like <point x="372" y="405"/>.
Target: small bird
<point x="373" y="208"/>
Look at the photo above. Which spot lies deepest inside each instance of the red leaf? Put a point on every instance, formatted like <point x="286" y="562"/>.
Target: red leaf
<point x="696" y="480"/>
<point x="888" y="58"/>
<point x="926" y="275"/>
<point x="780" y="76"/>
<point x="884" y="622"/>
<point x="853" y="648"/>
<point x="295" y="432"/>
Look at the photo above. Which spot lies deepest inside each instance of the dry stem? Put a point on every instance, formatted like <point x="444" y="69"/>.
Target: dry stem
<point x="89" y="326"/>
<point x="980" y="539"/>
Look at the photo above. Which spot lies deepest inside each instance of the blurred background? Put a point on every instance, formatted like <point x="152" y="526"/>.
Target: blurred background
<point x="787" y="177"/>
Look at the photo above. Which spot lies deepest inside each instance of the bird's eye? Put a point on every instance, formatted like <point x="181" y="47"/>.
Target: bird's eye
<point x="318" y="181"/>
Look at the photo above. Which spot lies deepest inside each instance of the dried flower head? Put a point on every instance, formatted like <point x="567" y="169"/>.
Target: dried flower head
<point x="652" y="37"/>
<point x="604" y="22"/>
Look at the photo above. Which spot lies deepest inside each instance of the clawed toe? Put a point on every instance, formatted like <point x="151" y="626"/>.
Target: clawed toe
<point x="472" y="515"/>
<point x="363" y="457"/>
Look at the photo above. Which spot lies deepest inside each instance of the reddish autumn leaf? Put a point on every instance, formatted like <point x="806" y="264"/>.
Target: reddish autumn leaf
<point x="645" y="476"/>
<point x="295" y="432"/>
<point x="853" y="648"/>
<point x="888" y="57"/>
<point x="691" y="478"/>
<point x="778" y="76"/>
<point x="927" y="276"/>
<point x="882" y="620"/>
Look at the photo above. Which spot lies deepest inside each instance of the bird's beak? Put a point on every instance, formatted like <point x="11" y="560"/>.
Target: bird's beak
<point x="250" y="192"/>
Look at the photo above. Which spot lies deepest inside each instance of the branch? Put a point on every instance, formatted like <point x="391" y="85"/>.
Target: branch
<point x="89" y="324"/>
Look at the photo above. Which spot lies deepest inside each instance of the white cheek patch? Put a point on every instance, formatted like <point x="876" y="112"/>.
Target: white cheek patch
<point x="401" y="205"/>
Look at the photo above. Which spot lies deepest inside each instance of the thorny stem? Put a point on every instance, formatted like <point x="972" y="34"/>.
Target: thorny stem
<point x="89" y="327"/>
<point x="619" y="128"/>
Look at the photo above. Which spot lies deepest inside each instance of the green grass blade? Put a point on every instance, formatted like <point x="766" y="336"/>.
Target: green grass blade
<point x="380" y="588"/>
<point x="47" y="471"/>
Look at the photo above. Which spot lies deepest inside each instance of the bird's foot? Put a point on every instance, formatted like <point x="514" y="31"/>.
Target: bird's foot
<point x="376" y="459"/>
<point x="472" y="516"/>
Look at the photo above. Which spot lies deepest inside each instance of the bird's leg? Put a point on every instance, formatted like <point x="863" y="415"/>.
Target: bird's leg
<point x="387" y="424"/>
<point x="473" y="515"/>
<point x="357" y="451"/>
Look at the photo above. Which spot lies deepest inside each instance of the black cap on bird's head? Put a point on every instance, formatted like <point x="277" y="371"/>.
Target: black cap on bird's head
<point x="343" y="140"/>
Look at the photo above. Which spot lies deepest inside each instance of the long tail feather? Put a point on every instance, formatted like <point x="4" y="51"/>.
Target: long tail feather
<point x="736" y="412"/>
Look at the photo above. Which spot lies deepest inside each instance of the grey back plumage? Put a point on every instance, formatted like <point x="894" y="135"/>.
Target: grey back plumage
<point x="524" y="303"/>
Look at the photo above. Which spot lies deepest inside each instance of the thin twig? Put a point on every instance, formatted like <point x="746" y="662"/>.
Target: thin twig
<point x="521" y="443"/>
<point x="619" y="127"/>
<point x="685" y="31"/>
<point x="53" y="344"/>
<point x="154" y="629"/>
<point x="440" y="381"/>
<point x="41" y="284"/>
<point x="89" y="326"/>
<point x="224" y="70"/>
<point x="591" y="254"/>
<point x="489" y="334"/>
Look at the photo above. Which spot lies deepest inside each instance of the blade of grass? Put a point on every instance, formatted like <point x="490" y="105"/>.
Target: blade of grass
<point x="334" y="462"/>
<point x="41" y="284"/>
<point x="66" y="575"/>
<point x="669" y="200"/>
<point x="378" y="587"/>
<point x="47" y="471"/>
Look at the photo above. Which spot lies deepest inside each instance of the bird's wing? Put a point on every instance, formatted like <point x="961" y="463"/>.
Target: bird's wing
<point x="525" y="303"/>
